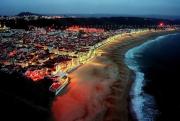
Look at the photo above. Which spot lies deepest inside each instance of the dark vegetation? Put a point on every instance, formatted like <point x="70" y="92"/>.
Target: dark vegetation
<point x="104" y="22"/>
<point x="24" y="100"/>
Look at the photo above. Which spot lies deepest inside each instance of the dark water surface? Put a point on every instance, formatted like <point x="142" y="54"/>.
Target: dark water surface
<point x="156" y="91"/>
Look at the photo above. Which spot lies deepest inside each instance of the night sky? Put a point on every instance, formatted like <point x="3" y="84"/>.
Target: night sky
<point x="125" y="7"/>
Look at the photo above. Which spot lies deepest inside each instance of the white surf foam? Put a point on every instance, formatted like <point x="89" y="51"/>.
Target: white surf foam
<point x="143" y="105"/>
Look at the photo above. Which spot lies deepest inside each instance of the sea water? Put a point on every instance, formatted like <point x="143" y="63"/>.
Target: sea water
<point x="156" y="64"/>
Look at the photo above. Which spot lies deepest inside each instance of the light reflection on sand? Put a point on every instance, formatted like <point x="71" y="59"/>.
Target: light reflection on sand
<point x="85" y="99"/>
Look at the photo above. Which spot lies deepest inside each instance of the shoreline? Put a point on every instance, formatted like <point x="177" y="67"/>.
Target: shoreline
<point x="121" y="47"/>
<point x="99" y="89"/>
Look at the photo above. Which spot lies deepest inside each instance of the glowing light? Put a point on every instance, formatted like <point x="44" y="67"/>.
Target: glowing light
<point x="36" y="75"/>
<point x="55" y="86"/>
<point x="161" y="24"/>
<point x="87" y="30"/>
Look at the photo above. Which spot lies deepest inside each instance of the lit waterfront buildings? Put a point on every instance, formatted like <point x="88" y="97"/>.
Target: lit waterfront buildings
<point x="40" y="52"/>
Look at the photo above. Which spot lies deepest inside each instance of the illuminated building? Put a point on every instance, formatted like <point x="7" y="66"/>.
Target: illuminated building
<point x="36" y="75"/>
<point x="2" y="28"/>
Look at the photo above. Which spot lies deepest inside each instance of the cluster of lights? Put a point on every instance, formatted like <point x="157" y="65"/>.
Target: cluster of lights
<point x="36" y="75"/>
<point x="87" y="30"/>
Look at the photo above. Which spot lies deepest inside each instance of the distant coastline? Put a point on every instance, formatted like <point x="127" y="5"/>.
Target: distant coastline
<point x="97" y="15"/>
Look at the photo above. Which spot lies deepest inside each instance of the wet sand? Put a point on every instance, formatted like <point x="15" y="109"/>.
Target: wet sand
<point x="99" y="90"/>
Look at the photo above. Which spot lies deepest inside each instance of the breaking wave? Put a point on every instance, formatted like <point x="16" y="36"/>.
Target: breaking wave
<point x="143" y="105"/>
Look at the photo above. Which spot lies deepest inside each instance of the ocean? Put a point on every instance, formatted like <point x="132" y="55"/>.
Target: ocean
<point x="155" y="93"/>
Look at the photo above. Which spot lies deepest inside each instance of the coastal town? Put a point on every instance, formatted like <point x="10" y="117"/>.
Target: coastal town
<point x="89" y="60"/>
<point x="45" y="52"/>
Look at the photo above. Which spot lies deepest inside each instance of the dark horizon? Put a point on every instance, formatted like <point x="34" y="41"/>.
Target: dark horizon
<point x="97" y="15"/>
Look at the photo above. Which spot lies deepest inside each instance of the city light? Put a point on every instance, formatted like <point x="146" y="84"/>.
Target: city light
<point x="161" y="24"/>
<point x="36" y="75"/>
<point x="88" y="30"/>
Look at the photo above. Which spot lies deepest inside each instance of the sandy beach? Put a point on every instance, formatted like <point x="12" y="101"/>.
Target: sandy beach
<point x="99" y="89"/>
